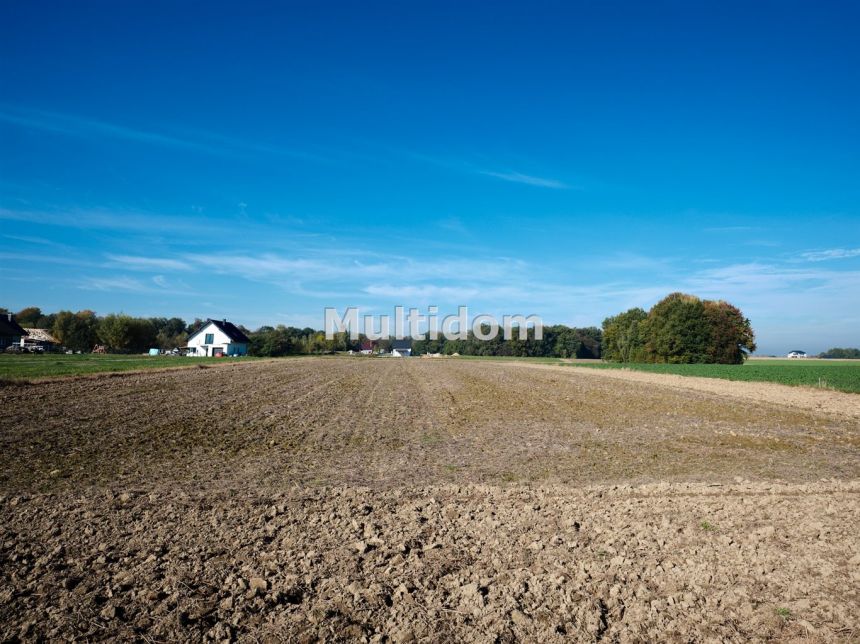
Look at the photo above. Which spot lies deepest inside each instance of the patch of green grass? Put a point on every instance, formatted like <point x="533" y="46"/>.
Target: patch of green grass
<point x="33" y="365"/>
<point x="826" y="374"/>
<point x="783" y="612"/>
<point x="708" y="527"/>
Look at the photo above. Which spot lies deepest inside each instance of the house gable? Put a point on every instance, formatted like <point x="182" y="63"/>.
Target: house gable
<point x="228" y="329"/>
<point x="216" y="337"/>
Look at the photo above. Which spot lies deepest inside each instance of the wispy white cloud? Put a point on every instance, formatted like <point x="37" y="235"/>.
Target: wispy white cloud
<point x="262" y="267"/>
<point x="731" y="229"/>
<point x="423" y="293"/>
<point x="622" y="260"/>
<point x="119" y="221"/>
<point x="70" y="125"/>
<point x="121" y="283"/>
<point x="454" y="224"/>
<point x="465" y="166"/>
<point x="833" y="253"/>
<point x="186" y="138"/>
<point x="767" y="279"/>
<point x="36" y="260"/>
<point x="338" y="264"/>
<point x="218" y="144"/>
<point x="764" y="243"/>
<point x="518" y="177"/>
<point x="228" y="144"/>
<point x="41" y="241"/>
<point x="149" y="263"/>
<point x="157" y="284"/>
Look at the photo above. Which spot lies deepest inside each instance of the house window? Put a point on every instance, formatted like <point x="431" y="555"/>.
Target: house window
<point x="210" y="338"/>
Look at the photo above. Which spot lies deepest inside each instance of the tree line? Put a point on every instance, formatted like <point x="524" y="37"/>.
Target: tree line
<point x="119" y="333"/>
<point x="837" y="353"/>
<point x="558" y="341"/>
<point x="680" y="328"/>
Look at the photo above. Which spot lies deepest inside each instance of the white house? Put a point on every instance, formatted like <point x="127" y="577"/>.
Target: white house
<point x="218" y="337"/>
<point x="401" y="348"/>
<point x="797" y="354"/>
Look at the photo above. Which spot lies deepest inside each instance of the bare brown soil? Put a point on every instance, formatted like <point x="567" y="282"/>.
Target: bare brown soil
<point x="819" y="400"/>
<point x="401" y="500"/>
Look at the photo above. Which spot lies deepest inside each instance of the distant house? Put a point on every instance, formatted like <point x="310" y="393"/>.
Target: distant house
<point x="10" y="331"/>
<point x="401" y="348"/>
<point x="797" y="354"/>
<point x="218" y="337"/>
<point x="368" y="347"/>
<point x="38" y="340"/>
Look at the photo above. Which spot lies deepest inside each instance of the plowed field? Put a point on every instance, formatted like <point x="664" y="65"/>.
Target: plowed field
<point x="424" y="500"/>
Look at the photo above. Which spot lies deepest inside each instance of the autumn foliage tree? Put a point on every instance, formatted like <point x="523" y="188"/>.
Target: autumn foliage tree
<point x="731" y="336"/>
<point x="677" y="330"/>
<point x="680" y="328"/>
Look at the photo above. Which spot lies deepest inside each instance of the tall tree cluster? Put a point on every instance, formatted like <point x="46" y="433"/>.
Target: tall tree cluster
<point x="680" y="328"/>
<point x="76" y="331"/>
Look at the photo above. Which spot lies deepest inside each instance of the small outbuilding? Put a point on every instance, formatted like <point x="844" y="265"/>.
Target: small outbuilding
<point x="218" y="338"/>
<point x="796" y="354"/>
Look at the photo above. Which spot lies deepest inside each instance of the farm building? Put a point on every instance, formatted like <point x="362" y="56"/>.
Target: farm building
<point x="218" y="337"/>
<point x="10" y="331"/>
<point x="797" y="354"/>
<point x="368" y="347"/>
<point x="38" y="340"/>
<point x="401" y="348"/>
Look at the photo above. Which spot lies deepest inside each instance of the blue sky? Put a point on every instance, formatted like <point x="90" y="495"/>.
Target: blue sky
<point x="569" y="160"/>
